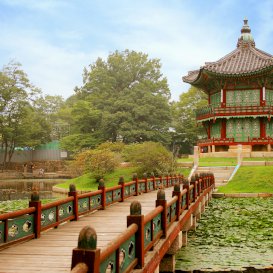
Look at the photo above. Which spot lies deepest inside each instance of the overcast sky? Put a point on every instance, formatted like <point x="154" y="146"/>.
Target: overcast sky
<point x="55" y="39"/>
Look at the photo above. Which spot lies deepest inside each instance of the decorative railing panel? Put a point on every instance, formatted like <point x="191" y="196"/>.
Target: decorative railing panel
<point x="48" y="217"/>
<point x="20" y="227"/>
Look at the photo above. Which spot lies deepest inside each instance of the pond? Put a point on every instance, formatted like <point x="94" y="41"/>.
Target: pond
<point x="22" y="188"/>
<point x="232" y="234"/>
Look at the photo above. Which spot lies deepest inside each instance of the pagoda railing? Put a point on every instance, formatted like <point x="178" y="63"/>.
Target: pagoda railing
<point x="215" y="141"/>
<point x="260" y="140"/>
<point x="212" y="111"/>
<point x="232" y="141"/>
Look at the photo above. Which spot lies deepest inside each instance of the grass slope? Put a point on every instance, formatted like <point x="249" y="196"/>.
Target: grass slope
<point x="250" y="179"/>
<point x="86" y="182"/>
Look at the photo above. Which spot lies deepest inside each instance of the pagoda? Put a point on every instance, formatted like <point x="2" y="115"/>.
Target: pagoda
<point x="240" y="99"/>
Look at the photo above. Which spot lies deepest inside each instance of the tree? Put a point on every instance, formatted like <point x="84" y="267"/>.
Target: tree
<point x="186" y="130"/>
<point x="85" y="126"/>
<point x="132" y="96"/>
<point x="21" y="124"/>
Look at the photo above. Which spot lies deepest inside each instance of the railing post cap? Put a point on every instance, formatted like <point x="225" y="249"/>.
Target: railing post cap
<point x="177" y="188"/>
<point x="101" y="183"/>
<point x="121" y="180"/>
<point x="161" y="195"/>
<point x="185" y="181"/>
<point x="135" y="208"/>
<point x="145" y="175"/>
<point x="134" y="176"/>
<point x="87" y="238"/>
<point x="72" y="188"/>
<point x="35" y="197"/>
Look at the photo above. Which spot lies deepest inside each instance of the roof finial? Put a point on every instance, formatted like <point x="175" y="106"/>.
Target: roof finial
<point x="246" y="36"/>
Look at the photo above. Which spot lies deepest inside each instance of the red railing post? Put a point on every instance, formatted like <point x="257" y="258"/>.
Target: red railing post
<point x="177" y="192"/>
<point x="167" y="180"/>
<point x="35" y="202"/>
<point x="146" y="182"/>
<point x="87" y="252"/>
<point x="136" y="180"/>
<point x="103" y="195"/>
<point x="122" y="183"/>
<point x="154" y="183"/>
<point x="73" y="192"/>
<point x="137" y="218"/>
<point x="186" y="186"/>
<point x="161" y="201"/>
<point x="193" y="182"/>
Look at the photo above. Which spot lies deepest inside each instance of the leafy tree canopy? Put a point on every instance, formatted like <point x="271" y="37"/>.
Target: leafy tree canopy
<point x="184" y="122"/>
<point x="21" y="123"/>
<point x="130" y="96"/>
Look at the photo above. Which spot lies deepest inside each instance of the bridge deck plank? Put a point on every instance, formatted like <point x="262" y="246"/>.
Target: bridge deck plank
<point x="52" y="252"/>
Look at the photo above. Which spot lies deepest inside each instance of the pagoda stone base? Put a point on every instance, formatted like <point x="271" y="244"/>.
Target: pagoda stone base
<point x="234" y="154"/>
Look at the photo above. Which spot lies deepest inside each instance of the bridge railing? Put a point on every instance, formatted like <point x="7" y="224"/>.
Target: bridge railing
<point x="128" y="250"/>
<point x="28" y="223"/>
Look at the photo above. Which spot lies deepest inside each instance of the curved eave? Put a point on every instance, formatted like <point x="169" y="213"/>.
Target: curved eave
<point x="256" y="72"/>
<point x="204" y="75"/>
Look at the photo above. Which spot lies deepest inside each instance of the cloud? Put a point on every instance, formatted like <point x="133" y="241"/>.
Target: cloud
<point x="54" y="40"/>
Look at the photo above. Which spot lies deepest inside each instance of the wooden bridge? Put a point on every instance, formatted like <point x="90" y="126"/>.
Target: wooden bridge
<point x="134" y="228"/>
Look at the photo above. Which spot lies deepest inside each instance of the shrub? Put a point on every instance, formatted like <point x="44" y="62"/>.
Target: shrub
<point x="101" y="162"/>
<point x="150" y="157"/>
<point x="98" y="162"/>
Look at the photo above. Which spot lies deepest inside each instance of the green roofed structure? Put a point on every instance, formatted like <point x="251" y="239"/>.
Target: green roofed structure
<point x="240" y="100"/>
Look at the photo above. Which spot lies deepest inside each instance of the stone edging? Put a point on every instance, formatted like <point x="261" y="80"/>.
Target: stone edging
<point x="65" y="191"/>
<point x="240" y="195"/>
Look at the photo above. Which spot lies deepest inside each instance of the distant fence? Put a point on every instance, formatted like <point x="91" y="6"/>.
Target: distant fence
<point x="36" y="155"/>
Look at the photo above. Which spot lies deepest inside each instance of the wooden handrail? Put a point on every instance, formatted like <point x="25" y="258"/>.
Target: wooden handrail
<point x="15" y="214"/>
<point x="57" y="203"/>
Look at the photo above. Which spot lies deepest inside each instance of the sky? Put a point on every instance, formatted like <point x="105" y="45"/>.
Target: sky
<point x="55" y="39"/>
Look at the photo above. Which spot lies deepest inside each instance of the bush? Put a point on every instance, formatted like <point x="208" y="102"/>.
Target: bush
<point x="150" y="157"/>
<point x="98" y="162"/>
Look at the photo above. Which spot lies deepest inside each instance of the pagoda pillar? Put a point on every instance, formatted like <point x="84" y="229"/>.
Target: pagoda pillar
<point x="262" y="96"/>
<point x="224" y="128"/>
<point x="262" y="128"/>
<point x="209" y="128"/>
<point x="223" y="97"/>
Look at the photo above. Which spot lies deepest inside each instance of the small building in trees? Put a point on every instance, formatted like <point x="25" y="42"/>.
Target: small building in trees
<point x="240" y="100"/>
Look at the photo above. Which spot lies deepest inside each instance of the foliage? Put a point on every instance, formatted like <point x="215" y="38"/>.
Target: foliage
<point x="184" y="122"/>
<point x="150" y="157"/>
<point x="98" y="162"/>
<point x="85" y="123"/>
<point x="116" y="147"/>
<point x="233" y="233"/>
<point x="21" y="123"/>
<point x="76" y="142"/>
<point x="14" y="205"/>
<point x="250" y="179"/>
<point x="126" y="97"/>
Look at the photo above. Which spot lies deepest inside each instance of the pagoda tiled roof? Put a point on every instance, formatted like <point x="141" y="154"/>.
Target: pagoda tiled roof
<point x="245" y="59"/>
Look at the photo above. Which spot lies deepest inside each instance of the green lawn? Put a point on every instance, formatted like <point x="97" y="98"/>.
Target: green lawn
<point x="250" y="179"/>
<point x="86" y="182"/>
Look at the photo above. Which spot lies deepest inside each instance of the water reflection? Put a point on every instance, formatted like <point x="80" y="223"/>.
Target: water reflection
<point x="22" y="188"/>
